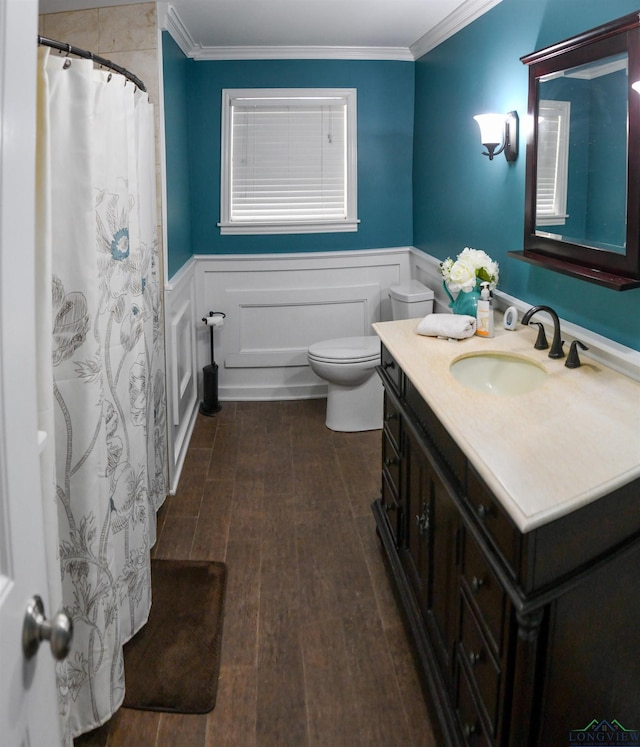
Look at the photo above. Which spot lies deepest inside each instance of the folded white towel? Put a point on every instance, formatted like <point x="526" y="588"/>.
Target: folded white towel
<point x="456" y="326"/>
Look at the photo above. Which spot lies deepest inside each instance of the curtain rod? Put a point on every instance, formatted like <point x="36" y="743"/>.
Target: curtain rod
<point x="70" y="49"/>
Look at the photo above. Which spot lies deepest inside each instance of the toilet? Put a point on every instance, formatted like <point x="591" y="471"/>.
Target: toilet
<point x="348" y="365"/>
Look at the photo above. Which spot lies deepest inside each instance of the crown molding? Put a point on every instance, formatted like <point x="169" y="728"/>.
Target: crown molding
<point x="169" y="20"/>
<point x="301" y="53"/>
<point x="454" y="22"/>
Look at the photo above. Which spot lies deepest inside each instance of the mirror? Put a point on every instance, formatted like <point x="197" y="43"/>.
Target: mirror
<point x="581" y="158"/>
<point x="582" y="213"/>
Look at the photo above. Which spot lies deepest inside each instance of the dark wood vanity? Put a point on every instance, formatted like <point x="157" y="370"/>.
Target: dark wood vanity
<point x="522" y="638"/>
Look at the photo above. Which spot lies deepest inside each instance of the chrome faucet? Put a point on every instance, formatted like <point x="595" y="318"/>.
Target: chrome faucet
<point x="556" y="346"/>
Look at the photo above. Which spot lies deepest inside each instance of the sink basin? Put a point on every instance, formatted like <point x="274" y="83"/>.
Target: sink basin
<point x="501" y="374"/>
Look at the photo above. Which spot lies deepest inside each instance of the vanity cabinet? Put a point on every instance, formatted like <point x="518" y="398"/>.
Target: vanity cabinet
<point x="522" y="638"/>
<point x="431" y="545"/>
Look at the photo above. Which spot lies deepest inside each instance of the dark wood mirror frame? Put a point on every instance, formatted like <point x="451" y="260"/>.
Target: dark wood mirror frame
<point x="619" y="271"/>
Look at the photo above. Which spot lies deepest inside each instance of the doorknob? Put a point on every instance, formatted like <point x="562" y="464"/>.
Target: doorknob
<point x="36" y="628"/>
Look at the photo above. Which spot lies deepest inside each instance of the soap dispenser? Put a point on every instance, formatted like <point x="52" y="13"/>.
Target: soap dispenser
<point x="484" y="314"/>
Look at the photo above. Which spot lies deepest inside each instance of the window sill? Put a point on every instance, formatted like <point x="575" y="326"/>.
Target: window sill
<point x="282" y="228"/>
<point x="551" y="220"/>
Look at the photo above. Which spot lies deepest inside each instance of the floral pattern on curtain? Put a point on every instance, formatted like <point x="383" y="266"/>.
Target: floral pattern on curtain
<point x="107" y="359"/>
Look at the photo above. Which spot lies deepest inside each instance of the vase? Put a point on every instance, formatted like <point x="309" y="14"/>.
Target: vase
<point x="464" y="303"/>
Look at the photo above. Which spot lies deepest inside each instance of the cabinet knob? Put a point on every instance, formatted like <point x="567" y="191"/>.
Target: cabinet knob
<point x="476" y="584"/>
<point x="388" y="364"/>
<point x="470" y="730"/>
<point x="422" y="521"/>
<point x="483" y="511"/>
<point x="390" y="462"/>
<point x="474" y="658"/>
<point x="391" y="416"/>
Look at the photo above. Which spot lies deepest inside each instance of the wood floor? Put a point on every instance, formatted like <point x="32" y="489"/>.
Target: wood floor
<point x="313" y="650"/>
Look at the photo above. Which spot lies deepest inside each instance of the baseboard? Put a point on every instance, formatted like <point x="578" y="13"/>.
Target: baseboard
<point x="273" y="394"/>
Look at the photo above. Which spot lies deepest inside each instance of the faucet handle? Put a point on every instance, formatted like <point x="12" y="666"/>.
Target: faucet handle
<point x="573" y="359"/>
<point x="541" y="341"/>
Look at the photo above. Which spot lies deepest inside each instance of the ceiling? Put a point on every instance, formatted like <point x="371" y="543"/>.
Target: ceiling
<point x="377" y="28"/>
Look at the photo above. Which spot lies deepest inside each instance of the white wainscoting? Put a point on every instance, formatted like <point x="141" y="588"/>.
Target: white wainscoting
<point x="278" y="305"/>
<point x="274" y="332"/>
<point x="181" y="317"/>
<point x="426" y="269"/>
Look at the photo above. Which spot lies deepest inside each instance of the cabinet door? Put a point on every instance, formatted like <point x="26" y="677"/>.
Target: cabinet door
<point x="431" y="551"/>
<point x="444" y="578"/>
<point x="416" y="481"/>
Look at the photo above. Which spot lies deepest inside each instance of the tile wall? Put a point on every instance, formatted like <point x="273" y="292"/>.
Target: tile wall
<point x="124" y="34"/>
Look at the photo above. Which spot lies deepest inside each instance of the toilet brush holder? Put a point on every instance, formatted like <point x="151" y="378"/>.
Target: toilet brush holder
<point x="210" y="404"/>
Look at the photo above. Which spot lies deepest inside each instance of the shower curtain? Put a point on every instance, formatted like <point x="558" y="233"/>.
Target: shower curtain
<point x="100" y="370"/>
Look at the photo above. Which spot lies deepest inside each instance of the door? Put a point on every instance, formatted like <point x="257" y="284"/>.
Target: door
<point x="28" y="709"/>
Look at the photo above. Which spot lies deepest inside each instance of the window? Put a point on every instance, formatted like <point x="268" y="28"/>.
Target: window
<point x="553" y="162"/>
<point x="288" y="161"/>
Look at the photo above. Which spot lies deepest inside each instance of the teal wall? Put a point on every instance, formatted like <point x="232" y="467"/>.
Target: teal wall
<point x="176" y="79"/>
<point x="461" y="198"/>
<point x="385" y="147"/>
<point x="422" y="180"/>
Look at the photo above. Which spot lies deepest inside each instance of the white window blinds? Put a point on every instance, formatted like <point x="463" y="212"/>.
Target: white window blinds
<point x="289" y="162"/>
<point x="552" y="163"/>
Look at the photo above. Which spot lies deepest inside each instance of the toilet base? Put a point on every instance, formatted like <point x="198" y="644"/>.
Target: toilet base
<point x="352" y="409"/>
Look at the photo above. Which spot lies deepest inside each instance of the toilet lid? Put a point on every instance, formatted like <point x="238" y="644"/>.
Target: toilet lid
<point x="347" y="349"/>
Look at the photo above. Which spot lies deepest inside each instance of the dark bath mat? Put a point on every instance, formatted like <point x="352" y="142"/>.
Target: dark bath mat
<point x="172" y="664"/>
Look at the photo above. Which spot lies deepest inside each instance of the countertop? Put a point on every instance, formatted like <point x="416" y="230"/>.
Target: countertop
<point x="546" y="453"/>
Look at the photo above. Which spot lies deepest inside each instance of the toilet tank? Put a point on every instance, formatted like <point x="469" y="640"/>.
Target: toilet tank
<point x="410" y="300"/>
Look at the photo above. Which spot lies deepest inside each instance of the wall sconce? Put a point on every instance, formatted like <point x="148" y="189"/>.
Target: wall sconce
<point x="499" y="131"/>
<point x="636" y="86"/>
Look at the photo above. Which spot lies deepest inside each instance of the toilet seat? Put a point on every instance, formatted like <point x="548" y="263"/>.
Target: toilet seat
<point x="348" y="365"/>
<point x="345" y="350"/>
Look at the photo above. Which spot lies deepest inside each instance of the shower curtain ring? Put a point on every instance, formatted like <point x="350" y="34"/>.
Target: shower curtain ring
<point x="68" y="49"/>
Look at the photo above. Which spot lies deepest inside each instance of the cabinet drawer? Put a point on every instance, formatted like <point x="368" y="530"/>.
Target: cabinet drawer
<point x="483" y="588"/>
<point x="470" y="721"/>
<point x="391" y="370"/>
<point x="500" y="530"/>
<point x="392" y="422"/>
<point x="483" y="669"/>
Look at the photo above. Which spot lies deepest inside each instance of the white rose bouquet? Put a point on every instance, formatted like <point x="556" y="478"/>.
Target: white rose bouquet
<point x="471" y="266"/>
